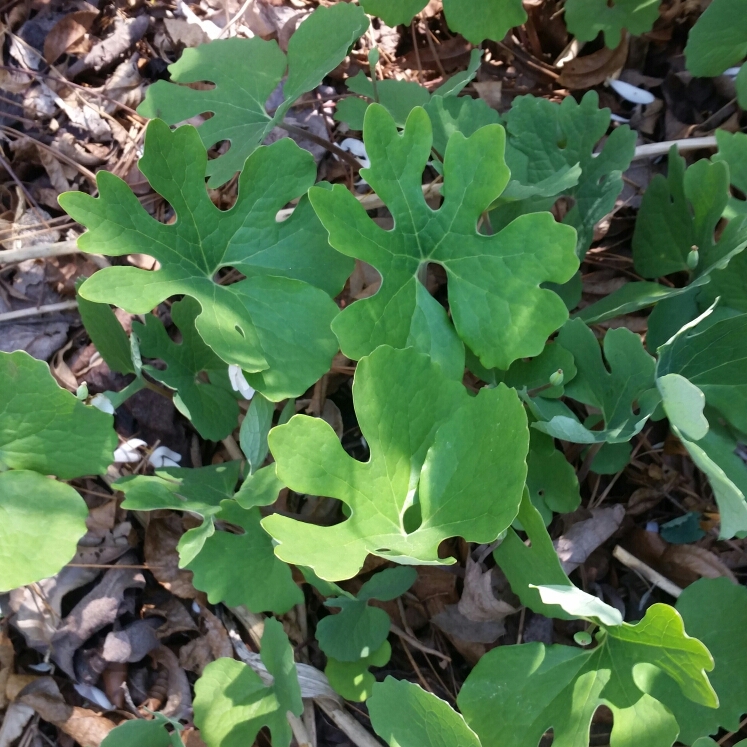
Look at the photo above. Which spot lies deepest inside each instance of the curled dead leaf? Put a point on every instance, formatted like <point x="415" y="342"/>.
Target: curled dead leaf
<point x="594" y="68"/>
<point x="575" y="546"/>
<point x="68" y="33"/>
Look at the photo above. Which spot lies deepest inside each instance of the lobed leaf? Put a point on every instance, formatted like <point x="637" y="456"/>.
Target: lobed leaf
<point x="275" y="323"/>
<point x="517" y="693"/>
<point x="496" y="303"/>
<point x="351" y="679"/>
<point x="433" y="448"/>
<point x="586" y="19"/>
<point x="244" y="73"/>
<point x="210" y="405"/>
<point x="614" y="388"/>
<point x="232" y="704"/>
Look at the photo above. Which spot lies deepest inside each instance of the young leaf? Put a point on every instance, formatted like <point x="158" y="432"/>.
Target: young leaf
<point x="359" y="629"/>
<point x="210" y="405"/>
<point x="254" y="429"/>
<point x="545" y="139"/>
<point x="143" y="734"/>
<point x="679" y="214"/>
<point x="715" y="612"/>
<point x="273" y="324"/>
<point x="587" y="18"/>
<point x="426" y="478"/>
<point x="405" y="715"/>
<point x="630" y="378"/>
<point x="231" y="568"/>
<point x="245" y="72"/>
<point x="717" y="454"/>
<point x="718" y="40"/>
<point x="496" y="303"/>
<point x="711" y="355"/>
<point x="579" y="604"/>
<point x="42" y="522"/>
<point x="527" y="567"/>
<point x="232" y="704"/>
<point x="107" y="334"/>
<point x="45" y="428"/>
<point x="551" y="480"/>
<point x="351" y="679"/>
<point x="683" y="403"/>
<point x="560" y="687"/>
<point x="242" y="568"/>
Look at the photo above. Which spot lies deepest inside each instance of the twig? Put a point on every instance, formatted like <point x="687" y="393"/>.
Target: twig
<point x="9" y="316"/>
<point x="346" y="723"/>
<point x="415" y="643"/>
<point x="331" y="147"/>
<point x="232" y="447"/>
<point x="299" y="730"/>
<point x="238" y="15"/>
<point x="646" y="571"/>
<point x="651" y="150"/>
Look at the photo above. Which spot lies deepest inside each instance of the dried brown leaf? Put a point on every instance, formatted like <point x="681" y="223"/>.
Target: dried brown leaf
<point x="575" y="546"/>
<point x="67" y="32"/>
<point x="595" y="68"/>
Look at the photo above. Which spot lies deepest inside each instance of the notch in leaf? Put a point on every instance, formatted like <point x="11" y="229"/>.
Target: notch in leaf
<point x="495" y="300"/>
<point x="244" y="73"/>
<point x="434" y="449"/>
<point x="274" y="324"/>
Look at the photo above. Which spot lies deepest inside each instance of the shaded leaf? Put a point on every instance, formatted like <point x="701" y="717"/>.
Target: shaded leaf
<point x="630" y="379"/>
<point x="254" y="429"/>
<point x="107" y="334"/>
<point x="544" y="138"/>
<point x="587" y="18"/>
<point x="244" y="73"/>
<point x="275" y="323"/>
<point x="718" y="40"/>
<point x="210" y="405"/>
<point x="45" y="428"/>
<point x="425" y="478"/>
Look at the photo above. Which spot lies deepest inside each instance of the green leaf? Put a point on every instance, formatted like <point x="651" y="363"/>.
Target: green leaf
<point x="545" y="138"/>
<point x="711" y="355"/>
<point x="143" y="734"/>
<point x="351" y="679"/>
<point x="244" y="73"/>
<point x="45" y="428"/>
<point x="496" y="303"/>
<point x="360" y="630"/>
<point x="477" y="20"/>
<point x="611" y="458"/>
<point x="714" y="611"/>
<point x="683" y="529"/>
<point x="405" y="715"/>
<point x="680" y="212"/>
<point x="199" y="491"/>
<point x="560" y="687"/>
<point x="210" y="405"/>
<point x="41" y="523"/>
<point x="579" y="604"/>
<point x="425" y="478"/>
<point x="526" y="567"/>
<point x="452" y="114"/>
<point x="587" y="18"/>
<point x="552" y="482"/>
<point x="717" y="455"/>
<point x="718" y="40"/>
<point x="254" y="429"/>
<point x="241" y="568"/>
<point x="683" y="403"/>
<point x="107" y="334"/>
<point x="633" y="297"/>
<point x="232" y="704"/>
<point x="536" y="373"/>
<point x="732" y="150"/>
<point x="232" y="568"/>
<point x="630" y="379"/>
<point x="394" y="12"/>
<point x="271" y="324"/>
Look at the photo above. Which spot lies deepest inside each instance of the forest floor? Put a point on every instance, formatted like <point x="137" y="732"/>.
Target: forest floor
<point x="72" y="76"/>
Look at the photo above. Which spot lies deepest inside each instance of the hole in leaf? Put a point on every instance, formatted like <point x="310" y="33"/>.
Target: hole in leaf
<point x="240" y="331"/>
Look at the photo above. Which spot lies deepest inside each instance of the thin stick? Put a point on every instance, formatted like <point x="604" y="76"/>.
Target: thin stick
<point x="238" y="15"/>
<point x="661" y="149"/>
<point x="299" y="730"/>
<point x="331" y="147"/>
<point x="415" y="643"/>
<point x="346" y="723"/>
<point x="9" y="316"/>
<point x="646" y="571"/>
